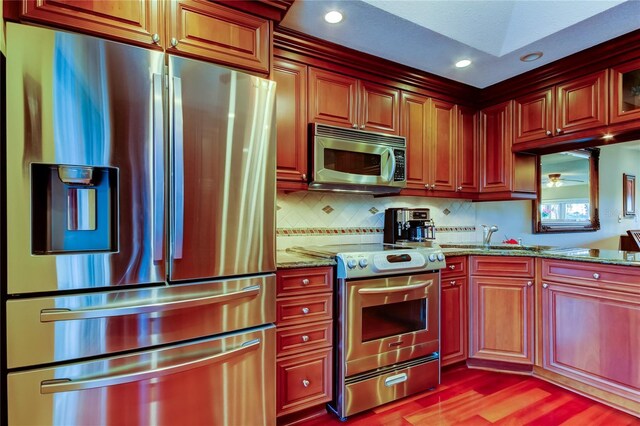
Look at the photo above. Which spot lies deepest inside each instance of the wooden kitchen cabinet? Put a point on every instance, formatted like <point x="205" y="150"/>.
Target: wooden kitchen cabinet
<point x="578" y="104"/>
<point x="467" y="151"/>
<point x="501" y="312"/>
<point x="442" y="143"/>
<point x="415" y="127"/>
<point x="196" y="28"/>
<point x="345" y="101"/>
<point x="624" y="92"/>
<point x="454" y="330"/>
<point x="291" y="119"/>
<point x="304" y="339"/>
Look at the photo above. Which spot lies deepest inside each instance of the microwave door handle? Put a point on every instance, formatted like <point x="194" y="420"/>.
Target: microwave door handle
<point x="68" y="385"/>
<point x="392" y="170"/>
<point x="178" y="170"/>
<point x="62" y="314"/>
<point x="395" y="289"/>
<point x="158" y="168"/>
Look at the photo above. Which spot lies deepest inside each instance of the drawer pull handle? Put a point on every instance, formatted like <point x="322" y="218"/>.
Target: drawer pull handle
<point x="452" y="282"/>
<point x="305" y="311"/>
<point x="545" y="285"/>
<point x="306" y="383"/>
<point x="305" y="338"/>
<point x="529" y="283"/>
<point x="452" y="267"/>
<point x="596" y="275"/>
<point x="394" y="380"/>
<point x="305" y="281"/>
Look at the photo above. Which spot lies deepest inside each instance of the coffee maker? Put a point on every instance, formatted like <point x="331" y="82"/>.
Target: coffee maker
<point x="403" y="225"/>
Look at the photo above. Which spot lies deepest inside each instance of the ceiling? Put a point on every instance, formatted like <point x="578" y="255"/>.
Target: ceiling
<point x="431" y="35"/>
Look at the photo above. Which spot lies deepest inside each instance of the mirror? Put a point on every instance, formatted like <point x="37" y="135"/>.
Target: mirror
<point x="567" y="198"/>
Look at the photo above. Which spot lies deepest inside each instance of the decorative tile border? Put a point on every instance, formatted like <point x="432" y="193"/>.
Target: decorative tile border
<point x="296" y="232"/>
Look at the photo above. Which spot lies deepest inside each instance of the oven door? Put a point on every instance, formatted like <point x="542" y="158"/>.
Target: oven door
<point x="390" y="320"/>
<point x="350" y="162"/>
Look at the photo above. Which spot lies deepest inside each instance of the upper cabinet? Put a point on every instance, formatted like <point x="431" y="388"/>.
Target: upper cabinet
<point x="344" y="101"/>
<point x="579" y="104"/>
<point x="196" y="28"/>
<point x="625" y="92"/>
<point x="467" y="174"/>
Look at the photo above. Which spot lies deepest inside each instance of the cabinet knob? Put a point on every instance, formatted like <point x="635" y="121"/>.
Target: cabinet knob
<point x="596" y="275"/>
<point x="303" y="176"/>
<point x="459" y="188"/>
<point x="549" y="133"/>
<point x="427" y="186"/>
<point x="452" y="282"/>
<point x="305" y="338"/>
<point x="529" y="283"/>
<point x="545" y="285"/>
<point x="433" y="186"/>
<point x="174" y="41"/>
<point x="452" y="267"/>
<point x="305" y="311"/>
<point x="155" y="38"/>
<point x="305" y="281"/>
<point x="362" y="126"/>
<point x="306" y="383"/>
<point x="354" y="125"/>
<point x="558" y="130"/>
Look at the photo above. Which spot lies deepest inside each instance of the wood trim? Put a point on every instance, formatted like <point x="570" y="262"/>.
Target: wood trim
<point x="500" y="366"/>
<point x="274" y="10"/>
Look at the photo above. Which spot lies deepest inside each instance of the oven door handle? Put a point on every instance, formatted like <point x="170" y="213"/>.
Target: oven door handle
<point x="396" y="289"/>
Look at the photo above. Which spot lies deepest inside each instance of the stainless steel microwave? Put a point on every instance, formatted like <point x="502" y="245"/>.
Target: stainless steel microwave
<point x="356" y="161"/>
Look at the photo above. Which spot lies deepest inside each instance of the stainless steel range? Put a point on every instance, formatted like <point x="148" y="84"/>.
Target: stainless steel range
<point x="387" y="322"/>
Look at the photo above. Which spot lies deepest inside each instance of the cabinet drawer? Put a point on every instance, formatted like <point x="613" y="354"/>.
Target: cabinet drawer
<point x="304" y="281"/>
<point x="303" y="309"/>
<point x="502" y="266"/>
<point x="299" y="338"/>
<point x="303" y="381"/>
<point x="456" y="267"/>
<point x="621" y="278"/>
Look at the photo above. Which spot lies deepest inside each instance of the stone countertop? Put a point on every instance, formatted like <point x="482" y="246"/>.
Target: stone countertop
<point x="612" y="257"/>
<point x="289" y="260"/>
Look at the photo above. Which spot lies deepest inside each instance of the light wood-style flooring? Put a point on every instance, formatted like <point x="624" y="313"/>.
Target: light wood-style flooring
<point x="477" y="397"/>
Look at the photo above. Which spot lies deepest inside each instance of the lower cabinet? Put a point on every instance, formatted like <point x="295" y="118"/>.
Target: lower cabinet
<point x="304" y="339"/>
<point x="501" y="311"/>
<point x="454" y="330"/>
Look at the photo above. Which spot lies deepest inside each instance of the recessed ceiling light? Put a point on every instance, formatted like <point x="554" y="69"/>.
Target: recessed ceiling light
<point x="333" y="17"/>
<point x="463" y="63"/>
<point x="530" y="57"/>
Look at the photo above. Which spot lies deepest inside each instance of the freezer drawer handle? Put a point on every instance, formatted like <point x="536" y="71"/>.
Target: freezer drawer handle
<point x="396" y="289"/>
<point x="68" y="385"/>
<point x="394" y="380"/>
<point x="56" y="314"/>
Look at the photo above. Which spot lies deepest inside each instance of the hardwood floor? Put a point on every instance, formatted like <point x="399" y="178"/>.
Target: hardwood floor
<point x="477" y="397"/>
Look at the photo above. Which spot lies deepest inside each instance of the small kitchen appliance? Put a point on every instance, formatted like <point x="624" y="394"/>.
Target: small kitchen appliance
<point x="387" y="325"/>
<point x="403" y="225"/>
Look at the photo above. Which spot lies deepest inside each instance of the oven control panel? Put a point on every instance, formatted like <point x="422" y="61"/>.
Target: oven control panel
<point x="362" y="265"/>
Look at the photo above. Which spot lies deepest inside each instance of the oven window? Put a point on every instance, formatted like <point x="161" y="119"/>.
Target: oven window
<point x="392" y="319"/>
<point x="359" y="163"/>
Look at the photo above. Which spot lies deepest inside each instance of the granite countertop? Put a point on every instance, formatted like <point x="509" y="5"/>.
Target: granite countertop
<point x="613" y="257"/>
<point x="287" y="260"/>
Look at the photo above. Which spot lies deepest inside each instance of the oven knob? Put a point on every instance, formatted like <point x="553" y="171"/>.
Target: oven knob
<point x="432" y="257"/>
<point x="351" y="263"/>
<point x="440" y="257"/>
<point x="363" y="263"/>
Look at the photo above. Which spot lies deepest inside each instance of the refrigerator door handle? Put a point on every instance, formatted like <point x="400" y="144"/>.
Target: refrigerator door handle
<point x="178" y="170"/>
<point x="63" y="314"/>
<point x="158" y="168"/>
<point x="68" y="385"/>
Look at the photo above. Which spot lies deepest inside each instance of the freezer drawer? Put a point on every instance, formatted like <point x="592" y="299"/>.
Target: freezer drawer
<point x="52" y="329"/>
<point x="217" y="381"/>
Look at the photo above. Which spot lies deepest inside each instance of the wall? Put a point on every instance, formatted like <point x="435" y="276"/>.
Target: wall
<point x="317" y="218"/>
<point x="3" y="47"/>
<point x="514" y="217"/>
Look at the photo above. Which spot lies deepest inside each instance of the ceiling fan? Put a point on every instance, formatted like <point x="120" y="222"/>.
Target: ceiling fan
<point x="556" y="180"/>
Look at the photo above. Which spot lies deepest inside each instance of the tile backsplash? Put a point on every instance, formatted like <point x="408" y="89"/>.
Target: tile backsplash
<point x="317" y="218"/>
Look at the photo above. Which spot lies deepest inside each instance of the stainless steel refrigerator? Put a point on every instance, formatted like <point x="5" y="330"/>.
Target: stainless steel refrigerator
<point x="140" y="236"/>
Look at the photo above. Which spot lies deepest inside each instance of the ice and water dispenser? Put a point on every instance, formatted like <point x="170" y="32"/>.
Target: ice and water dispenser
<point x="74" y="209"/>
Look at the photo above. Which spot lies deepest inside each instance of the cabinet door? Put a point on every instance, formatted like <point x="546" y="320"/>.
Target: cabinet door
<point x="467" y="151"/>
<point x="291" y="119"/>
<point x="582" y="103"/>
<point x="501" y="326"/>
<point x="415" y="124"/>
<point x="624" y="92"/>
<point x="137" y="21"/>
<point x="442" y="146"/>
<point x="496" y="159"/>
<point x="453" y="321"/>
<point x="379" y="108"/>
<point x="203" y="29"/>
<point x="591" y="335"/>
<point x="332" y="98"/>
<point x="533" y="116"/>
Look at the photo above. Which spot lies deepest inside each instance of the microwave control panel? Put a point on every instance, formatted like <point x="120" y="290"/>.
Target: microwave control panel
<point x="399" y="174"/>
